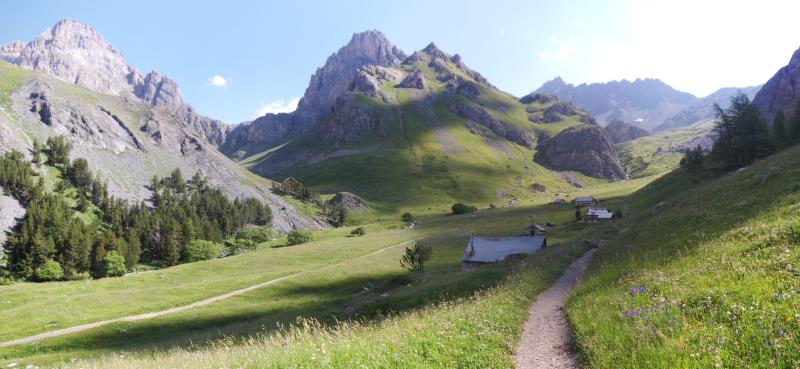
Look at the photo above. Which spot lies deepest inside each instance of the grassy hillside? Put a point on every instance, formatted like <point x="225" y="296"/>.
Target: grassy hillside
<point x="334" y="270"/>
<point x="703" y="275"/>
<point x="427" y="156"/>
<point x="656" y="154"/>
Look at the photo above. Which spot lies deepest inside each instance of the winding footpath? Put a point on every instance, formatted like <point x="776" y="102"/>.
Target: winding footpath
<point x="547" y="337"/>
<point x="208" y="301"/>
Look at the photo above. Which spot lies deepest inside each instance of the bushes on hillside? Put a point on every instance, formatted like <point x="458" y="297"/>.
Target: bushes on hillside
<point x="256" y="234"/>
<point x="239" y="246"/>
<point x="459" y="208"/>
<point x="50" y="270"/>
<point x="199" y="250"/>
<point x="114" y="264"/>
<point x="407" y="217"/>
<point x="358" y="232"/>
<point x="297" y="237"/>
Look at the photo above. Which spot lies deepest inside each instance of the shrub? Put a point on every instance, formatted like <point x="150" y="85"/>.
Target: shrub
<point x="256" y="234"/>
<point x="618" y="213"/>
<point x="407" y="217"/>
<point x="298" y="237"/>
<point x="358" y="232"/>
<point x="49" y="271"/>
<point x="240" y="245"/>
<point x="198" y="250"/>
<point x="459" y="208"/>
<point x="415" y="257"/>
<point x="114" y="264"/>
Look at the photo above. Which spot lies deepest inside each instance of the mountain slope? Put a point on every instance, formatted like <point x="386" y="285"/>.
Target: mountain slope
<point x="126" y="141"/>
<point x="432" y="131"/>
<point x="326" y="85"/>
<point x="703" y="108"/>
<point x="643" y="102"/>
<point x="782" y="91"/>
<point x="76" y="53"/>
<point x="702" y="274"/>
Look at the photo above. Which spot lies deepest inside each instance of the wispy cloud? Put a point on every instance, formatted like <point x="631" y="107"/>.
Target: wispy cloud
<point x="217" y="81"/>
<point x="501" y="32"/>
<point x="277" y="106"/>
<point x="580" y="24"/>
<point x="562" y="50"/>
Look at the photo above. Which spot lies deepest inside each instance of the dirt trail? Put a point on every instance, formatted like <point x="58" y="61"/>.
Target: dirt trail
<point x="546" y="338"/>
<point x="210" y="300"/>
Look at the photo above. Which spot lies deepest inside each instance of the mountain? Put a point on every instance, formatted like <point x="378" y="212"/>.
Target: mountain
<point x="644" y="102"/>
<point x="703" y="109"/>
<point x="326" y="85"/>
<point x="76" y="53"/>
<point x="620" y="131"/>
<point x="129" y="126"/>
<point x="426" y="129"/>
<point x="781" y="92"/>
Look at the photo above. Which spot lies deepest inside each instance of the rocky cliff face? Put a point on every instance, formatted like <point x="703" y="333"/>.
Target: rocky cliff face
<point x="782" y="91"/>
<point x="333" y="79"/>
<point x="620" y="132"/>
<point x="76" y="53"/>
<point x="585" y="149"/>
<point x="362" y="57"/>
<point x="644" y="102"/>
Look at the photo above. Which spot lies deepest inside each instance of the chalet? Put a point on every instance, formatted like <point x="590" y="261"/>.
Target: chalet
<point x="598" y="214"/>
<point x="585" y="201"/>
<point x="535" y="230"/>
<point x="484" y="250"/>
<point x="559" y="202"/>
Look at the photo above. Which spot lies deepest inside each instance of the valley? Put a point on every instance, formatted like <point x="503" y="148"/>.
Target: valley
<point x="404" y="211"/>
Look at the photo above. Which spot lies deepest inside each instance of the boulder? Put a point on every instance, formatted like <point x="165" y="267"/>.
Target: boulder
<point x="620" y="131"/>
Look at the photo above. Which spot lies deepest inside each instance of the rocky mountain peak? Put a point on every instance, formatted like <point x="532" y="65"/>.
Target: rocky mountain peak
<point x="332" y="79"/>
<point x="74" y="52"/>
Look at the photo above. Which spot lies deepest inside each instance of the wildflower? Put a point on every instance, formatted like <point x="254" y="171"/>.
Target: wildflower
<point x="636" y="290"/>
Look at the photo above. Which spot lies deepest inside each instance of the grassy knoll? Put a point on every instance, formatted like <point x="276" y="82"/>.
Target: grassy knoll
<point x="704" y="275"/>
<point x="327" y="294"/>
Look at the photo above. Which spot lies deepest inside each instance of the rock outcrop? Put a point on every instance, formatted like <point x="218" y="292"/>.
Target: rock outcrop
<point x="414" y="79"/>
<point x="620" y="131"/>
<point x="583" y="149"/>
<point x="782" y="91"/>
<point x="348" y="121"/>
<point x="351" y="203"/>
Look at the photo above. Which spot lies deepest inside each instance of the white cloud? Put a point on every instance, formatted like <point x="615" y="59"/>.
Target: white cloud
<point x="277" y="106"/>
<point x="555" y="39"/>
<point x="543" y="55"/>
<point x="580" y="24"/>
<point x="501" y="32"/>
<point x="217" y="81"/>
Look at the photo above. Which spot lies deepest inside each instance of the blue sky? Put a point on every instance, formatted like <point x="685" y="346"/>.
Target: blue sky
<point x="266" y="51"/>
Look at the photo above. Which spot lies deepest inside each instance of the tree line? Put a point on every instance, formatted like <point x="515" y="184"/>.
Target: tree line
<point x="51" y="242"/>
<point x="741" y="136"/>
